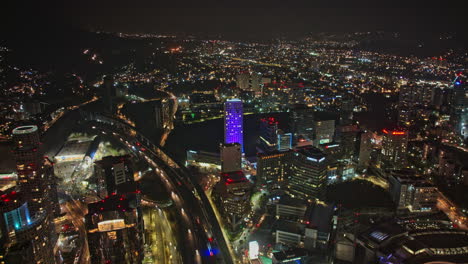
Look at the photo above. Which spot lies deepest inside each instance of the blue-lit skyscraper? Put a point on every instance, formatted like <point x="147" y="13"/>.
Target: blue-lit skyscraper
<point x="233" y="122"/>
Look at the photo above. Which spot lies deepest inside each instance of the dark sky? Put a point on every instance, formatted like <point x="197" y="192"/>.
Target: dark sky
<point x="237" y="17"/>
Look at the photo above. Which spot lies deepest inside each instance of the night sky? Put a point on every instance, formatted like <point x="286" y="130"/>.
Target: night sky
<point x="236" y="17"/>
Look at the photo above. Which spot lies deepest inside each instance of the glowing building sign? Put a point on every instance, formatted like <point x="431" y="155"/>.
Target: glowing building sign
<point x="110" y="225"/>
<point x="394" y="132"/>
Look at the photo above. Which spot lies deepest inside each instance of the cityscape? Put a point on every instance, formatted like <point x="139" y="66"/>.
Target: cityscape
<point x="127" y="137"/>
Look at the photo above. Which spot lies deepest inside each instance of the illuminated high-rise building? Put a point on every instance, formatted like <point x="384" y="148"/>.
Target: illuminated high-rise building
<point x="268" y="135"/>
<point x="284" y="141"/>
<point x="394" y="147"/>
<point x="324" y="132"/>
<point x="233" y="122"/>
<point x="273" y="169"/>
<point x="163" y="114"/>
<point x="27" y="230"/>
<point x="365" y="150"/>
<point x="308" y="174"/>
<point x="410" y="191"/>
<point x="459" y="106"/>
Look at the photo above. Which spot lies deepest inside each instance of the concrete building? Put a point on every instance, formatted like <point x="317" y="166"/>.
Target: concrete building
<point x="308" y="174"/>
<point x="411" y="192"/>
<point x="268" y="135"/>
<point x="273" y="169"/>
<point x="284" y="141"/>
<point x="231" y="157"/>
<point x="302" y="121"/>
<point x="394" y="147"/>
<point x="324" y="132"/>
<point x="114" y="175"/>
<point x="232" y="198"/>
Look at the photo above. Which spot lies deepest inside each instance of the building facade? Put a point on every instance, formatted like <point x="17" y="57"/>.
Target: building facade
<point x="233" y="122"/>
<point x="308" y="174"/>
<point x="394" y="147"/>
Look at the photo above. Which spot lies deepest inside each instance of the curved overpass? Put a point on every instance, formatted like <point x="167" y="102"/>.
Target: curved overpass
<point x="204" y="231"/>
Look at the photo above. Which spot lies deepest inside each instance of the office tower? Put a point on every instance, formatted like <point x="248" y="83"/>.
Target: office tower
<point x="411" y="192"/>
<point x="347" y="138"/>
<point x="284" y="142"/>
<point x="28" y="209"/>
<point x="109" y="93"/>
<point x="346" y="111"/>
<point x="459" y="106"/>
<point x="233" y="122"/>
<point x="114" y="175"/>
<point x="308" y="174"/>
<point x="302" y="121"/>
<point x="273" y="169"/>
<point x="415" y="94"/>
<point x="411" y="97"/>
<point x="115" y="230"/>
<point x="231" y="157"/>
<point x="163" y="114"/>
<point x="268" y="135"/>
<point x="365" y="149"/>
<point x="324" y="132"/>
<point x="394" y="147"/>
<point x="232" y="198"/>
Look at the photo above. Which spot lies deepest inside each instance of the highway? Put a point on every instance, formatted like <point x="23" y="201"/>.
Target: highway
<point x="75" y="212"/>
<point x="160" y="237"/>
<point x="204" y="236"/>
<point x="452" y="211"/>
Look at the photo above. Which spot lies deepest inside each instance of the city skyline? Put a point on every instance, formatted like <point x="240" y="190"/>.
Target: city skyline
<point x="233" y="133"/>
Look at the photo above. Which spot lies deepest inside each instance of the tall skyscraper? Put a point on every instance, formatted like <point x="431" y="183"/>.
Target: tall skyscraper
<point x="347" y="137"/>
<point x="414" y="93"/>
<point x="163" y="114"/>
<point x="324" y="132"/>
<point x="308" y="174"/>
<point x="394" y="147"/>
<point x="231" y="157"/>
<point x="109" y="93"/>
<point x="27" y="229"/>
<point x="273" y="169"/>
<point x="302" y="121"/>
<point x="365" y="149"/>
<point x="284" y="141"/>
<point x="412" y="96"/>
<point x="459" y="106"/>
<point x="233" y="122"/>
<point x="268" y="135"/>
